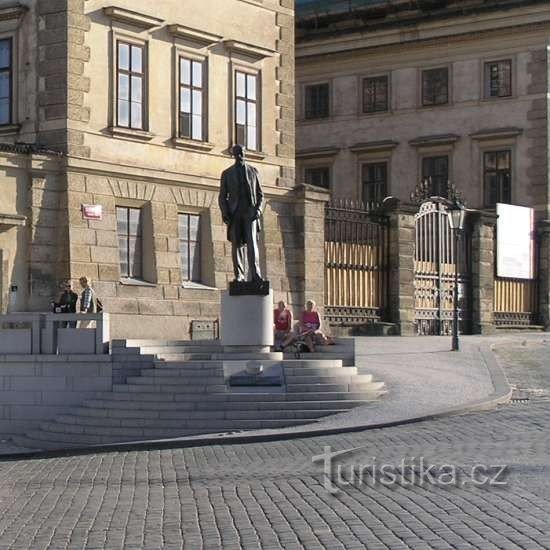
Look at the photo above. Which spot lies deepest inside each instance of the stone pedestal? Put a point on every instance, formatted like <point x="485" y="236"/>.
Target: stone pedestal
<point x="246" y="323"/>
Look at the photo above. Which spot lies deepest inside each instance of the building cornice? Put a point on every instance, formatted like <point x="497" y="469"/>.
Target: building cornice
<point x="320" y="152"/>
<point x="134" y="18"/>
<point x="374" y="146"/>
<point x="428" y="33"/>
<point x="440" y="139"/>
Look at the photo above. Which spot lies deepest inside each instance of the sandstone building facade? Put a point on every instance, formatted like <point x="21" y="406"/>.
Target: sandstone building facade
<point x="390" y="93"/>
<point x="116" y="119"/>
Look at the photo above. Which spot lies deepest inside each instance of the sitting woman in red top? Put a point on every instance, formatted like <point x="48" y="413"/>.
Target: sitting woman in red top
<point x="282" y="323"/>
<point x="309" y="329"/>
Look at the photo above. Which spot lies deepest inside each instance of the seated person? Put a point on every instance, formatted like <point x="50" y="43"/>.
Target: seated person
<point x="309" y="329"/>
<point x="282" y="323"/>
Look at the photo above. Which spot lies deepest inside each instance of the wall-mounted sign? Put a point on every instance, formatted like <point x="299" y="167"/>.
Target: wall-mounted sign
<point x="92" y="211"/>
<point x="515" y="242"/>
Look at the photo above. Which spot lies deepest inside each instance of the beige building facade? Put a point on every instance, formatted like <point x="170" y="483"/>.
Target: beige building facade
<point x="127" y="112"/>
<point x="390" y="94"/>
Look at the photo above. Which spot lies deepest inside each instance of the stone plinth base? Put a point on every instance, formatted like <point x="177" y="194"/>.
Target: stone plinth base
<point x="247" y="323"/>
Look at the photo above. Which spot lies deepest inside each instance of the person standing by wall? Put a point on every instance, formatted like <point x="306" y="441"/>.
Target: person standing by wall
<point x="87" y="301"/>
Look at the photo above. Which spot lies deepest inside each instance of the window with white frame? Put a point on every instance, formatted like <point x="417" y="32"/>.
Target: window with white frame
<point x="131" y="75"/>
<point x="190" y="246"/>
<point x="247" y="99"/>
<point x="192" y="120"/>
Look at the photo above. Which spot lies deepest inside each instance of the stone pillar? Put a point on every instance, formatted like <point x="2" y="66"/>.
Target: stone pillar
<point x="544" y="272"/>
<point x="310" y="223"/>
<point x="401" y="266"/>
<point x="483" y="271"/>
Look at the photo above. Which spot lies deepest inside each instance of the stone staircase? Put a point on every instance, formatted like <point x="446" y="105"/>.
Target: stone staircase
<point x="185" y="390"/>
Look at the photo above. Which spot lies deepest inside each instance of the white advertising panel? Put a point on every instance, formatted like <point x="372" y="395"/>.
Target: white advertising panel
<point x="515" y="242"/>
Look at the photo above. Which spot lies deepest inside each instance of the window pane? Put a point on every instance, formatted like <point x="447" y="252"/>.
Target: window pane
<point x="123" y="86"/>
<point x="240" y="137"/>
<point x="4" y="111"/>
<point x="490" y="161"/>
<point x="137" y="59"/>
<point x="197" y="102"/>
<point x="241" y="112"/>
<point x="194" y="228"/>
<point x="241" y="85"/>
<point x="135" y="259"/>
<point x="251" y="87"/>
<point x="123" y="113"/>
<point x="137" y="115"/>
<point x="134" y="221"/>
<point x="195" y="261"/>
<point x="251" y="138"/>
<point x="197" y="127"/>
<point x="123" y="56"/>
<point x="185" y="71"/>
<point x="185" y="99"/>
<point x="184" y="252"/>
<point x="503" y="160"/>
<point x="122" y="220"/>
<point x="197" y="74"/>
<point x="137" y="89"/>
<point x="185" y="125"/>
<point x="183" y="220"/>
<point x="251" y="110"/>
<point x="5" y="54"/>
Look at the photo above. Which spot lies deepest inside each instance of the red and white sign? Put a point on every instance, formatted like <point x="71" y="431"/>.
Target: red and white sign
<point x="92" y="211"/>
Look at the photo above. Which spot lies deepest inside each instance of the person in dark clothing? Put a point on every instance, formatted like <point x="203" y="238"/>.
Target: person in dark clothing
<point x="67" y="304"/>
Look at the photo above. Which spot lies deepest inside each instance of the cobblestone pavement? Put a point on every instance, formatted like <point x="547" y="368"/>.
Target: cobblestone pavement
<point x="272" y="495"/>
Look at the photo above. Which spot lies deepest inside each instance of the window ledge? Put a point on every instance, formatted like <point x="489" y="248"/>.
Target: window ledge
<point x="202" y="37"/>
<point x="498" y="133"/>
<point x="133" y="18"/>
<point x="249" y="50"/>
<point x="8" y="129"/>
<point x="135" y="282"/>
<point x="184" y="143"/>
<point x="321" y="152"/>
<point x="118" y="131"/>
<point x="196" y="286"/>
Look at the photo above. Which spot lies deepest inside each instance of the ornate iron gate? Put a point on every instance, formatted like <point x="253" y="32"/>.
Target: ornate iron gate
<point x="434" y="272"/>
<point x="356" y="264"/>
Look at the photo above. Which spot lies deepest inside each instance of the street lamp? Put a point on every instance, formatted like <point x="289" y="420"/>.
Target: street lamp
<point x="456" y="214"/>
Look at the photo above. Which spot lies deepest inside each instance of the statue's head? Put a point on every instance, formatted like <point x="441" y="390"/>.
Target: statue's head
<point x="238" y="153"/>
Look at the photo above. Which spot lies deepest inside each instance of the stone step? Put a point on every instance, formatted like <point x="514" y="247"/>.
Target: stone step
<point x="334" y="378"/>
<point x="198" y="364"/>
<point x="320" y="371"/>
<point x="177" y="381"/>
<point x="336" y="387"/>
<point x="174" y="419"/>
<point x="177" y="428"/>
<point x="184" y="356"/>
<point x="137" y="384"/>
<point x="167" y="372"/>
<point x="104" y="408"/>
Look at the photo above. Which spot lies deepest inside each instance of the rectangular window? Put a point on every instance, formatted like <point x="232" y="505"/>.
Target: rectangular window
<point x="192" y="99"/>
<point x="436" y="170"/>
<point x="130" y="242"/>
<point x="5" y="81"/>
<point x="498" y="78"/>
<point x="435" y="86"/>
<point x="375" y="182"/>
<point x="130" y="86"/>
<point x="375" y="94"/>
<point x="497" y="171"/>
<point x="190" y="246"/>
<point x="246" y="110"/>
<point x="318" y="176"/>
<point x="317" y="101"/>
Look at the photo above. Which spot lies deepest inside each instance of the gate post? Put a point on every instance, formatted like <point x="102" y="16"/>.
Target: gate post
<point x="401" y="268"/>
<point x="544" y="272"/>
<point x="483" y="271"/>
<point x="310" y="219"/>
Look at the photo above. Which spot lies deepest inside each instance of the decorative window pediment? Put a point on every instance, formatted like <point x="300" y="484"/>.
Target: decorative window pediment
<point x="194" y="35"/>
<point x="129" y="17"/>
<point x="248" y="50"/>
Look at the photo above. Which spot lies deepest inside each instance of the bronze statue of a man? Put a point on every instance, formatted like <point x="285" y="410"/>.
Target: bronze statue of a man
<point x="241" y="203"/>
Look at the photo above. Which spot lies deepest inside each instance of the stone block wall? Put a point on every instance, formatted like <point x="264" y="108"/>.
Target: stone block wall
<point x="34" y="389"/>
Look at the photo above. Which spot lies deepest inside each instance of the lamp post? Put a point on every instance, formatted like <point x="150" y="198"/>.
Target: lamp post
<point x="456" y="214"/>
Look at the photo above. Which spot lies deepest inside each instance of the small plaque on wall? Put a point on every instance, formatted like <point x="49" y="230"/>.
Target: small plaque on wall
<point x="92" y="211"/>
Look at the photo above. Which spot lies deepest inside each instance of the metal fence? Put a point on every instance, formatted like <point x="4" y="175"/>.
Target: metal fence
<point x="356" y="264"/>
